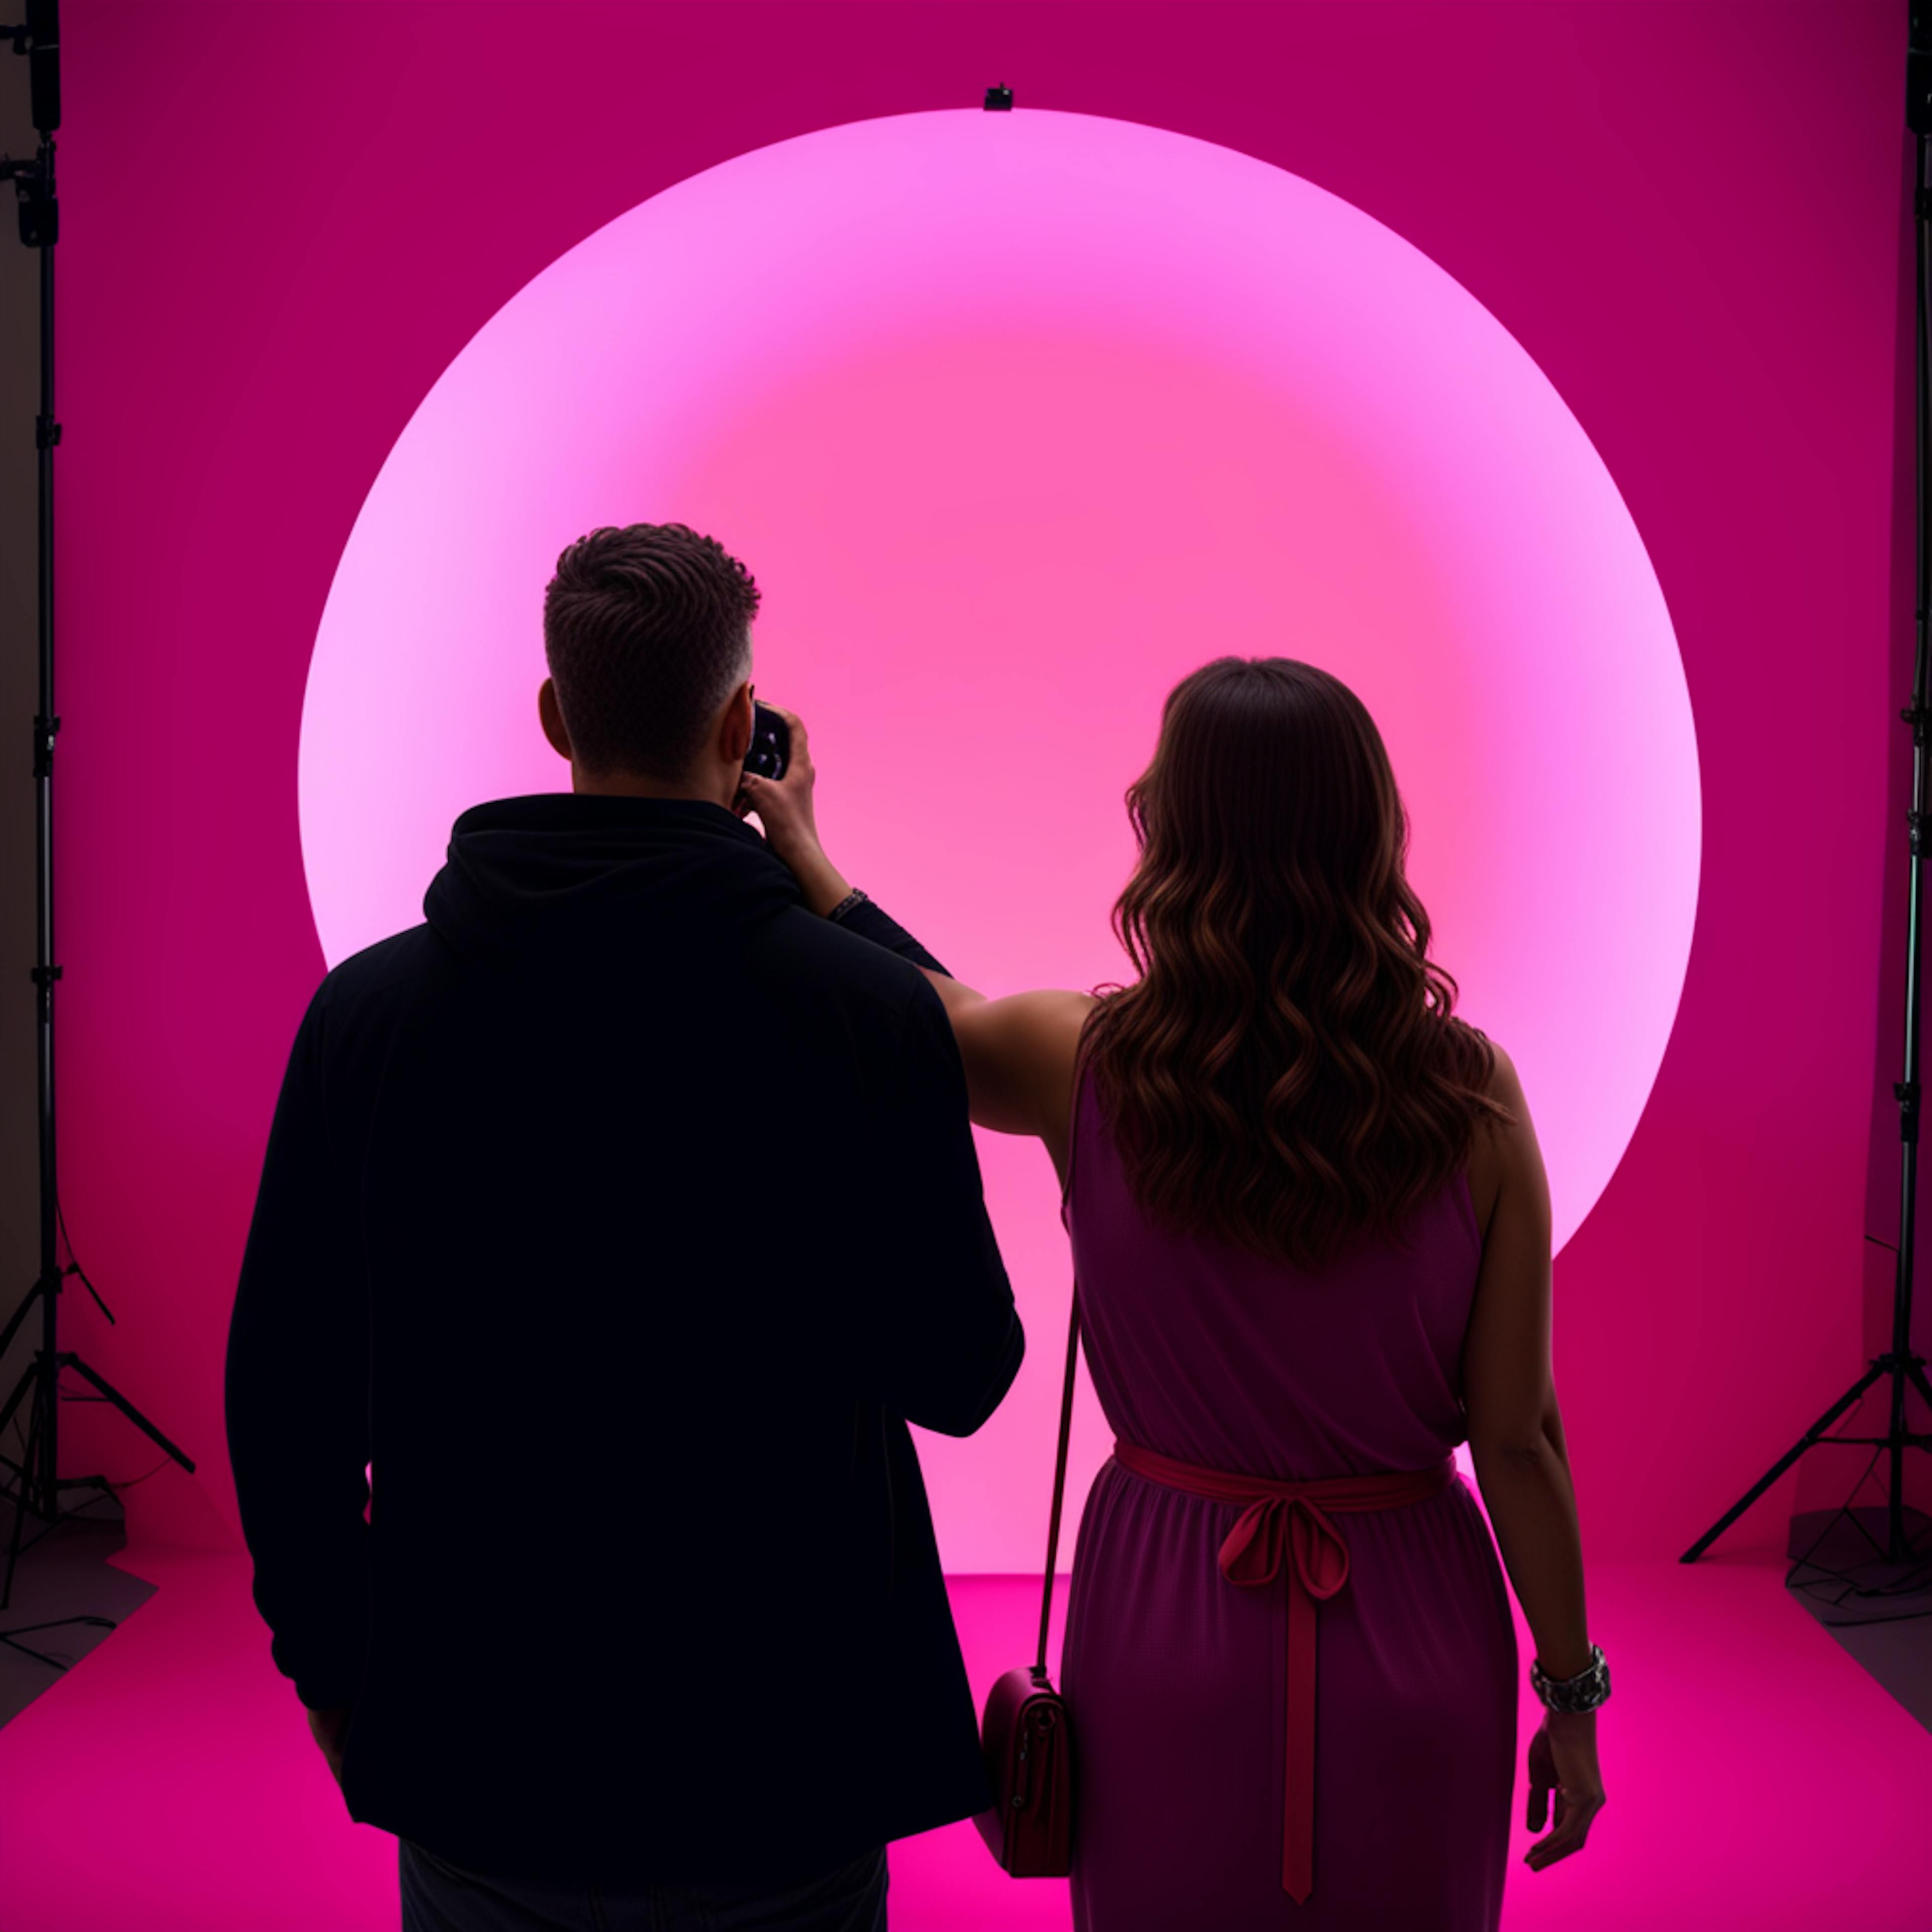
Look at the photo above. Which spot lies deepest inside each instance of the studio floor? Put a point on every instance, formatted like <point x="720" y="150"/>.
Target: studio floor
<point x="1758" y="1777"/>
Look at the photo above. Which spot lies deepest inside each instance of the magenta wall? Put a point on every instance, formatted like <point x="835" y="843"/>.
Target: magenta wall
<point x="1689" y="215"/>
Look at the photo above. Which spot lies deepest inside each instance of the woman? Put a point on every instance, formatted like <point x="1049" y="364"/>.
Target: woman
<point x="1311" y="1233"/>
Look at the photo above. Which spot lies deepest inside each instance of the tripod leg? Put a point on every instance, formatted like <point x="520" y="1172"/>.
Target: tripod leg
<point x="10" y="1636"/>
<point x="20" y="1388"/>
<point x="20" y="1500"/>
<point x="19" y="1315"/>
<point x="53" y="1663"/>
<point x="1811" y="1436"/>
<point x="1915" y="1369"/>
<point x="128" y="1409"/>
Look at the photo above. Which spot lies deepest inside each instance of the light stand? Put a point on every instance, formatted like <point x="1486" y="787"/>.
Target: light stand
<point x="38" y="1485"/>
<point x="1898" y="1364"/>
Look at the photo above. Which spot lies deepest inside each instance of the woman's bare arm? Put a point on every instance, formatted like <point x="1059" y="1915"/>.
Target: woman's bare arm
<point x="1019" y="1053"/>
<point x="1516" y="1430"/>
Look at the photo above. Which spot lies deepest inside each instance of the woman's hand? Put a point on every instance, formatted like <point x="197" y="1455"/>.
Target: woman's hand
<point x="1563" y="1759"/>
<point x="784" y="806"/>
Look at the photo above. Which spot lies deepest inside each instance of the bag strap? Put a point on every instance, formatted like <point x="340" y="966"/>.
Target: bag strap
<point x="1059" y="1478"/>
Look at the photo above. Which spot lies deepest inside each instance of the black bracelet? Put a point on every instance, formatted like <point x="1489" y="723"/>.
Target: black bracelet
<point x="853" y="897"/>
<point x="866" y="919"/>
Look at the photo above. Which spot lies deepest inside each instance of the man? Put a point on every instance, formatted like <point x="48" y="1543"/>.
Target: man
<point x="623" y="1214"/>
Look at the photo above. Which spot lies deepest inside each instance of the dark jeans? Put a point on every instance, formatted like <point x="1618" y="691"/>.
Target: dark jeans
<point x="438" y="1897"/>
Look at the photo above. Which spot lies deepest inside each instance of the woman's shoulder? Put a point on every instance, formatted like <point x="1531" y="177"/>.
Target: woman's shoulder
<point x="1035" y="1029"/>
<point x="1501" y="1084"/>
<point x="1042" y="1032"/>
<point x="1488" y="1154"/>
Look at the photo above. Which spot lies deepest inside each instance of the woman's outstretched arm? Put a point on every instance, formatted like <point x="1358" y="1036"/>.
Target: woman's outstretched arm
<point x="1019" y="1051"/>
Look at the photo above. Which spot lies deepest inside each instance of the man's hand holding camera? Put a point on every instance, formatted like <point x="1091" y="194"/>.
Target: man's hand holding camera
<point x="784" y="808"/>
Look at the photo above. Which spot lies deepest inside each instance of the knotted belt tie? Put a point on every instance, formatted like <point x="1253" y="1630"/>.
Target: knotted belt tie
<point x="1286" y="1526"/>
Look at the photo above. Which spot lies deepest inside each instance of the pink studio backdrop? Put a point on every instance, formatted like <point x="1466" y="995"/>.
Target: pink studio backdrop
<point x="1701" y="377"/>
<point x="1056" y="406"/>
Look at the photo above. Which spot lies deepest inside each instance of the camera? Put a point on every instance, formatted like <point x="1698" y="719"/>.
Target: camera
<point x="771" y="743"/>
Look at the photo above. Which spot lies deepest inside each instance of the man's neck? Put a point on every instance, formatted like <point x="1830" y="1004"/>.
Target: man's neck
<point x="627" y="785"/>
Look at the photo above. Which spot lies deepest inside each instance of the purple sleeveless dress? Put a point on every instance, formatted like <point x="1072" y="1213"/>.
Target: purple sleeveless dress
<point x="1175" y="1679"/>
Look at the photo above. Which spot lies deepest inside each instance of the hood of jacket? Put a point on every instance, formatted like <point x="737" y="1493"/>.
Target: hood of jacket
<point x="525" y="876"/>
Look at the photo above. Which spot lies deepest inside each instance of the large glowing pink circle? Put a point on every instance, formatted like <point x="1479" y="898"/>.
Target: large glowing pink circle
<point x="1017" y="419"/>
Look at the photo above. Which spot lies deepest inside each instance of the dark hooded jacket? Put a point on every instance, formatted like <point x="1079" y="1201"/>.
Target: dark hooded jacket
<point x="622" y="1215"/>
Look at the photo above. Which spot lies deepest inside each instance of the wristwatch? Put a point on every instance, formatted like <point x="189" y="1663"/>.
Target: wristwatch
<point x="1583" y="1692"/>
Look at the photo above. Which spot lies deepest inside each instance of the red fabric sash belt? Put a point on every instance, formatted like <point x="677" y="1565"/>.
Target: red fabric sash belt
<point x="1285" y="1527"/>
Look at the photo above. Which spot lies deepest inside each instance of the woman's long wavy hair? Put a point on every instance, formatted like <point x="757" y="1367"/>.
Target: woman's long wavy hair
<point x="1286" y="1075"/>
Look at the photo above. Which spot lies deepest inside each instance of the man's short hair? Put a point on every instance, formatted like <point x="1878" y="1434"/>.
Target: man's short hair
<point x="647" y="631"/>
